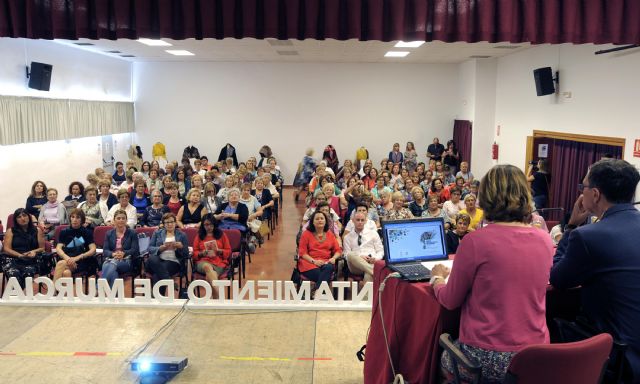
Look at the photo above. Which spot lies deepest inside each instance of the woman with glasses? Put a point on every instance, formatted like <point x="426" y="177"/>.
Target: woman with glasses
<point x="167" y="249"/>
<point x="123" y="205"/>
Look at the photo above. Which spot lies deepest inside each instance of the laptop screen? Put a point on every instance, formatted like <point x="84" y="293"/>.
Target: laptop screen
<point x="414" y="240"/>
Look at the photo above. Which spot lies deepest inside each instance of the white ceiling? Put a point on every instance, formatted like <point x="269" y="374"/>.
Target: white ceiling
<point x="271" y="50"/>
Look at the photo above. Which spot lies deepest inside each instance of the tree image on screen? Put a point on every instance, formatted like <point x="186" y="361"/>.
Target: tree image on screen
<point x="426" y="238"/>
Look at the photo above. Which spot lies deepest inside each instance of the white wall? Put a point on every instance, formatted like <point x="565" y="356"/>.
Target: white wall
<point x="477" y="98"/>
<point x="76" y="75"/>
<point x="293" y="106"/>
<point x="605" y="92"/>
<point x="57" y="163"/>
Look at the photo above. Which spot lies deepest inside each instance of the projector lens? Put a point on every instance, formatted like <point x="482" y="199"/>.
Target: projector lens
<point x="144" y="366"/>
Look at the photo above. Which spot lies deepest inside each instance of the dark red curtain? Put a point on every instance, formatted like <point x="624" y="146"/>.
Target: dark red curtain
<point x="462" y="137"/>
<point x="535" y="21"/>
<point x="571" y="161"/>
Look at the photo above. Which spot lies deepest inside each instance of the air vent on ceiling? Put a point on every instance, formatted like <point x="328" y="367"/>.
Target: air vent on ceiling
<point x="506" y="47"/>
<point x="280" y="43"/>
<point x="479" y="57"/>
<point x="287" y="53"/>
<point x="83" y="44"/>
<point x="127" y="56"/>
<point x="114" y="52"/>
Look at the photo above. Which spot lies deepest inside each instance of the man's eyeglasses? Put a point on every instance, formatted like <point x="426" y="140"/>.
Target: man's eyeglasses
<point x="359" y="240"/>
<point x="169" y="222"/>
<point x="581" y="187"/>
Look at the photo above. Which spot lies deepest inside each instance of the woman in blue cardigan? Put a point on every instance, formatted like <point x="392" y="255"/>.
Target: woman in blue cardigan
<point x="168" y="248"/>
<point x="120" y="248"/>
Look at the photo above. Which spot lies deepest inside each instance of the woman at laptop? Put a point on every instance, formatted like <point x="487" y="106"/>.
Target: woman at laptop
<point x="501" y="289"/>
<point x="318" y="250"/>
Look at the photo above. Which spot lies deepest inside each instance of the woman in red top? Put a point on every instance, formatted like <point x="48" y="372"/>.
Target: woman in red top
<point x="211" y="250"/>
<point x="318" y="250"/>
<point x="174" y="202"/>
<point x="440" y="191"/>
<point x="370" y="179"/>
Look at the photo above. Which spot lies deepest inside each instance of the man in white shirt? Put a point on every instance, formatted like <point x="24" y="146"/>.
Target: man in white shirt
<point x="362" y="247"/>
<point x="369" y="213"/>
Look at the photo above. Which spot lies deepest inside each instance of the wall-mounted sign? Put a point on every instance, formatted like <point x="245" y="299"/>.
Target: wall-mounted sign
<point x="543" y="150"/>
<point x="636" y="148"/>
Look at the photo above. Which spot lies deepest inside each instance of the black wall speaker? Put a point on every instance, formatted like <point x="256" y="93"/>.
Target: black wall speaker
<point x="544" y="81"/>
<point x="40" y="77"/>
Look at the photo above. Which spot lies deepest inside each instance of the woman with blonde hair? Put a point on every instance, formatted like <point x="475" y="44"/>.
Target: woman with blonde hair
<point x="513" y="275"/>
<point x="398" y="210"/>
<point x="192" y="212"/>
<point x="419" y="203"/>
<point x="476" y="214"/>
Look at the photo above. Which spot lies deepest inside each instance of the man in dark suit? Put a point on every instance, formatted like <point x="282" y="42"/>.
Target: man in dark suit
<point x="604" y="257"/>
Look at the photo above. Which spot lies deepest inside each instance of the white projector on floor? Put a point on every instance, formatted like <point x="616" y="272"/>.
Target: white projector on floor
<point x="158" y="364"/>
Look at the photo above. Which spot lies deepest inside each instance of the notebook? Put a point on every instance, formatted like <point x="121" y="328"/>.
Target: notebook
<point x="409" y="243"/>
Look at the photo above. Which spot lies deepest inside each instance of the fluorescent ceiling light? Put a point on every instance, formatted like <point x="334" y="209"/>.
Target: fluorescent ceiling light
<point x="154" y="43"/>
<point x="179" y="52"/>
<point x="396" y="54"/>
<point x="408" y="44"/>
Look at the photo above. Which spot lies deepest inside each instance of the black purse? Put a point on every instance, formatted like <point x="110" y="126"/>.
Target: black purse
<point x="295" y="277"/>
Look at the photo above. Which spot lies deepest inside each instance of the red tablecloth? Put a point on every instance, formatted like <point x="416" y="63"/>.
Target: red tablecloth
<point x="413" y="320"/>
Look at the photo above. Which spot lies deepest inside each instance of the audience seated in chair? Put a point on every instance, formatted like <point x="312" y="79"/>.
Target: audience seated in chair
<point x="362" y="247"/>
<point x="168" y="250"/>
<point x="120" y="248"/>
<point x="92" y="208"/>
<point x="191" y="213"/>
<point x="52" y="214"/>
<point x="37" y="198"/>
<point x="75" y="249"/>
<point x="318" y="250"/>
<point x="123" y="205"/>
<point x="153" y="213"/>
<point x="23" y="242"/>
<point x="211" y="250"/>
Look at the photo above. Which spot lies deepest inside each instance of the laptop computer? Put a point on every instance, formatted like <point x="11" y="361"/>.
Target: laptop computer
<point x="409" y="243"/>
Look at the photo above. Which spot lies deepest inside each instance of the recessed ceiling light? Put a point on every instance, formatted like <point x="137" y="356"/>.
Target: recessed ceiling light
<point x="396" y="54"/>
<point x="408" y="44"/>
<point x="154" y="43"/>
<point x="179" y="52"/>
